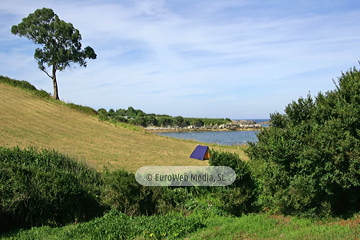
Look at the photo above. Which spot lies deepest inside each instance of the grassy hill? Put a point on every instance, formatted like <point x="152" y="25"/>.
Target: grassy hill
<point x="27" y="120"/>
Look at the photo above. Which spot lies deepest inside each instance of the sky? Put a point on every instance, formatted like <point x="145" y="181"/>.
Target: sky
<point x="193" y="58"/>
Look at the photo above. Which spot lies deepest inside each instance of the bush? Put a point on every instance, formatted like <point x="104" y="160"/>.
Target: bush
<point x="241" y="195"/>
<point x="42" y="94"/>
<point x="17" y="83"/>
<point x="123" y="193"/>
<point x="83" y="109"/>
<point x="121" y="119"/>
<point x="45" y="187"/>
<point x="116" y="225"/>
<point x="309" y="160"/>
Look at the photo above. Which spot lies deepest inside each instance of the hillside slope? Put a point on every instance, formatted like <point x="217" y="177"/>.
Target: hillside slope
<point x="27" y="120"/>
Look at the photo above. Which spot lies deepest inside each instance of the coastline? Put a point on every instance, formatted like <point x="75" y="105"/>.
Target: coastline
<point x="238" y="125"/>
<point x="164" y="130"/>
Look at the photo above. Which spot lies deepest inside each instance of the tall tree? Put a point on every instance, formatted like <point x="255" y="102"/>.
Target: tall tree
<point x="60" y="42"/>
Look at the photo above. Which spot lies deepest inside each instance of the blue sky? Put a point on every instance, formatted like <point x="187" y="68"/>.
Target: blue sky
<point x="236" y="59"/>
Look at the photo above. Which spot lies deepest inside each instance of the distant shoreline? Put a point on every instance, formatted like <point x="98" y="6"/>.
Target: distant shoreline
<point x="164" y="130"/>
<point x="235" y="125"/>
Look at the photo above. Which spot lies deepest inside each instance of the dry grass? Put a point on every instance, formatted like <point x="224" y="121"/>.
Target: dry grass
<point x="26" y="120"/>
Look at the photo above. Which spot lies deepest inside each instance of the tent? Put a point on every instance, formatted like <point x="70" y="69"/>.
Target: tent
<point x="201" y="153"/>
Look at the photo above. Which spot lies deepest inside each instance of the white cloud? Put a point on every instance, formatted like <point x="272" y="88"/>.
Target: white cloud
<point x="229" y="58"/>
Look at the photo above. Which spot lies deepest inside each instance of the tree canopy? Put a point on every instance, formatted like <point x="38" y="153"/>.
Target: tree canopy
<point x="309" y="160"/>
<point x="60" y="42"/>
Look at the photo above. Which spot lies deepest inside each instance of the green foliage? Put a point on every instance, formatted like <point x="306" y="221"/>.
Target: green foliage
<point x="309" y="161"/>
<point x="178" y="120"/>
<point x="121" y="119"/>
<point x="83" y="109"/>
<point x="116" y="225"/>
<point x="196" y="121"/>
<point x="165" y="121"/>
<point x="16" y="83"/>
<point x="141" y="121"/>
<point x="42" y="94"/>
<point x="139" y="117"/>
<point x="214" y="121"/>
<point x="45" y="187"/>
<point x="60" y="40"/>
<point x="123" y="193"/>
<point x="240" y="196"/>
<point x="152" y="120"/>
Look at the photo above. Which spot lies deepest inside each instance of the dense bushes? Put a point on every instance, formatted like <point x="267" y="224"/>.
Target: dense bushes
<point x="83" y="109"/>
<point x="309" y="161"/>
<point x="45" y="188"/>
<point x="122" y="192"/>
<point x="239" y="197"/>
<point x="138" y="117"/>
<point x="17" y="83"/>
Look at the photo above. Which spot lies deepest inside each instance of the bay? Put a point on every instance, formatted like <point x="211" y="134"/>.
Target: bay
<point x="221" y="137"/>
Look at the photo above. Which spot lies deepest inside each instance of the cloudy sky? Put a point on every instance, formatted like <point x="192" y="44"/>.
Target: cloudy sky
<point x="194" y="58"/>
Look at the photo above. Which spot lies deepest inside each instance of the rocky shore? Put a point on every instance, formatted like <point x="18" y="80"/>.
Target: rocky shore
<point x="241" y="125"/>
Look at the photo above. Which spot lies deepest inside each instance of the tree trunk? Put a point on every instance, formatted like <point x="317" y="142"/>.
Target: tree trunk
<point x="56" y="94"/>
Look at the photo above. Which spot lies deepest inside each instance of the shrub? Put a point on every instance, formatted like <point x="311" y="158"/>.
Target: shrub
<point x="42" y="94"/>
<point x="45" y="187"/>
<point x="116" y="225"/>
<point x="83" y="109"/>
<point x="17" y="83"/>
<point x="309" y="160"/>
<point x="240" y="196"/>
<point x="123" y="193"/>
<point x="121" y="119"/>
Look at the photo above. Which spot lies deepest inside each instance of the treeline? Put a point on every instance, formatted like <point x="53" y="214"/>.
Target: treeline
<point x="139" y="117"/>
<point x="130" y="115"/>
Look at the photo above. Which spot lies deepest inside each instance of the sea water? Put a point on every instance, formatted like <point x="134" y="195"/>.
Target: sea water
<point x="221" y="137"/>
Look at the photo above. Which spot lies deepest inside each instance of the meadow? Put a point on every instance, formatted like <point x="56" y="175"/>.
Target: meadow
<point x="28" y="120"/>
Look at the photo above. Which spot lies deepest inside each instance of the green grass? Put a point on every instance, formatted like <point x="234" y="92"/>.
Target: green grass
<point x="262" y="226"/>
<point x="176" y="226"/>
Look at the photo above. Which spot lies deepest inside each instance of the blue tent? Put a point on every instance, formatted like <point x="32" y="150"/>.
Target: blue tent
<point x="201" y="153"/>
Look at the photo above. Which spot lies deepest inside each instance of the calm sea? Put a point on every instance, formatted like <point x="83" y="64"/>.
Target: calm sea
<point x="223" y="138"/>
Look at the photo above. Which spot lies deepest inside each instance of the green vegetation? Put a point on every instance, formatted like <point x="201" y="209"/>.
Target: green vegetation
<point x="116" y="225"/>
<point x="302" y="182"/>
<point x="309" y="160"/>
<point x="241" y="195"/>
<point x="45" y="188"/>
<point x="60" y="40"/>
<point x="138" y="117"/>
